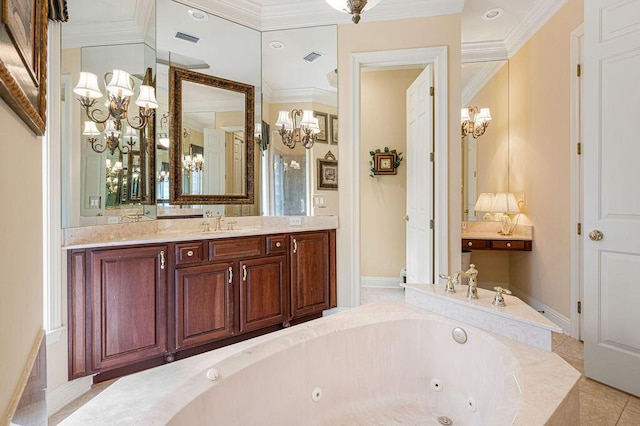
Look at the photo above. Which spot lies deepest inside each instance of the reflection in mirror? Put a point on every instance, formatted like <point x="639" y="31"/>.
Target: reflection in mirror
<point x="485" y="159"/>
<point x="103" y="179"/>
<point x="212" y="119"/>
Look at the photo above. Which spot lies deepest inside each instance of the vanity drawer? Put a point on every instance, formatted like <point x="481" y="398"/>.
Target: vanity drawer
<point x="475" y="244"/>
<point x="187" y="253"/>
<point x="236" y="247"/>
<point x="510" y="245"/>
<point x="276" y="244"/>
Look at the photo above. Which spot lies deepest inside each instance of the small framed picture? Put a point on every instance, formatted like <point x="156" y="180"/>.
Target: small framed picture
<point x="333" y="126"/>
<point x="322" y="123"/>
<point x="384" y="163"/>
<point x="328" y="172"/>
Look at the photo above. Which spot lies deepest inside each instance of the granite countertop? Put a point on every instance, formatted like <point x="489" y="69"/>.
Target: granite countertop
<point x="490" y="231"/>
<point x="161" y="231"/>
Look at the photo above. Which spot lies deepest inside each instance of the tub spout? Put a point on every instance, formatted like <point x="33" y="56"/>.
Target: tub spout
<point x="472" y="274"/>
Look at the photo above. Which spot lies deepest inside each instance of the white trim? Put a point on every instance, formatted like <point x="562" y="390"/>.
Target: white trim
<point x="380" y="282"/>
<point x="482" y="77"/>
<point x="52" y="195"/>
<point x="349" y="205"/>
<point x="484" y="51"/>
<point x="53" y="336"/>
<point x="63" y="395"/>
<point x="551" y="314"/>
<point x="334" y="311"/>
<point x="308" y="94"/>
<point x="576" y="183"/>
<point x="535" y="19"/>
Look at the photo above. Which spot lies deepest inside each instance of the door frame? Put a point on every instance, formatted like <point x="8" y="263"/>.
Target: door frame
<point x="350" y="164"/>
<point x="576" y="183"/>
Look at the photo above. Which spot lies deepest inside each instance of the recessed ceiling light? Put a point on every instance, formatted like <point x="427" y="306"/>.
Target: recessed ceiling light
<point x="491" y="14"/>
<point x="276" y="45"/>
<point x="198" y="15"/>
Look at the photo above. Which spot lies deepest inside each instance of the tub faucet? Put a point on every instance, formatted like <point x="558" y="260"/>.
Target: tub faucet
<point x="472" y="290"/>
<point x="498" y="300"/>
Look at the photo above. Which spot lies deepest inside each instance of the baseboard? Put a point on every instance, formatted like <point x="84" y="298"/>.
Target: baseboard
<point x="380" y="282"/>
<point x="553" y="315"/>
<point x="337" y="310"/>
<point x="61" y="396"/>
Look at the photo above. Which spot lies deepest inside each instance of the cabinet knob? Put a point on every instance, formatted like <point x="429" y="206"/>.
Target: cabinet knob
<point x="278" y="244"/>
<point x="509" y="245"/>
<point x="470" y="244"/>
<point x="190" y="253"/>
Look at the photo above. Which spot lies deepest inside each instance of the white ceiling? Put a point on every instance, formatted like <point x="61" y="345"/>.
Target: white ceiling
<point x="97" y="22"/>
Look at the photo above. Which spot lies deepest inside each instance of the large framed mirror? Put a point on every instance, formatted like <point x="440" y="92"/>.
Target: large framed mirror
<point x="212" y="122"/>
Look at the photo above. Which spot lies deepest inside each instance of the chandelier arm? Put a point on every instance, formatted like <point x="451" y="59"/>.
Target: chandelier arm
<point x="142" y="120"/>
<point x="97" y="147"/>
<point x="93" y="113"/>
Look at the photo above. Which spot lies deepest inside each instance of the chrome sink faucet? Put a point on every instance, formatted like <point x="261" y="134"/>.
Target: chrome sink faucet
<point x="472" y="290"/>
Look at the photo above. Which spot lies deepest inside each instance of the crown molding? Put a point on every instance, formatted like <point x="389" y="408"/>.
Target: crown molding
<point x="480" y="80"/>
<point x="535" y="19"/>
<point x="243" y="12"/>
<point x="304" y="95"/>
<point x="484" y="51"/>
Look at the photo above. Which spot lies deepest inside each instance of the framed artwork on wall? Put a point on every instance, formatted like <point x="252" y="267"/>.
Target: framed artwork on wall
<point x="322" y="123"/>
<point x="23" y="69"/>
<point x="333" y="125"/>
<point x="328" y="172"/>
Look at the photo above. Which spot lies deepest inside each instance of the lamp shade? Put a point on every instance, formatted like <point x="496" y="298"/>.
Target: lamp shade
<point x="87" y="86"/>
<point x="483" y="116"/>
<point x="147" y="98"/>
<point x="111" y="129"/>
<point x="120" y="83"/>
<point x="284" y="120"/>
<point x="485" y="202"/>
<point x="90" y="129"/>
<point x="464" y="115"/>
<point x="343" y="5"/>
<point x="163" y="139"/>
<point x="307" y="119"/>
<point x="131" y="133"/>
<point x="257" y="130"/>
<point x="505" y="202"/>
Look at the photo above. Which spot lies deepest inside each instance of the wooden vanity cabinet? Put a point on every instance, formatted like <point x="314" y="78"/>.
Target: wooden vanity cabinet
<point x="135" y="307"/>
<point x="126" y="308"/>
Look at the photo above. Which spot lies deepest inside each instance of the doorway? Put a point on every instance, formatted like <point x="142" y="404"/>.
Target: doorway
<point x="351" y="164"/>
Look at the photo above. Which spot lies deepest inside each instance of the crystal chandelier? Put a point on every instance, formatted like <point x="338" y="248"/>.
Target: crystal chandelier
<point x="293" y="132"/>
<point x="120" y="88"/>
<point x="353" y="7"/>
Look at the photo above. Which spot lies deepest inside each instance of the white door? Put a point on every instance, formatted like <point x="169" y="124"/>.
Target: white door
<point x="612" y="193"/>
<point x="420" y="179"/>
<point x="214" y="166"/>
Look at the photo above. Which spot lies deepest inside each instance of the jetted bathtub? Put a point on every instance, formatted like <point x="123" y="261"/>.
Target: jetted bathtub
<point x="380" y="364"/>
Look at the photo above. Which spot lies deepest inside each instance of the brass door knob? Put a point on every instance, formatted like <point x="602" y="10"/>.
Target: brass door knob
<point x="596" y="235"/>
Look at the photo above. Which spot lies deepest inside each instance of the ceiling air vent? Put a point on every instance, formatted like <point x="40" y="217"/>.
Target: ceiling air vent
<point x="187" y="37"/>
<point x="312" y="56"/>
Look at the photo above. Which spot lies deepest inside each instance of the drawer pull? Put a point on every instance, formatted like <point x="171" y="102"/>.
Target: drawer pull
<point x="509" y="245"/>
<point x="278" y="244"/>
<point x="470" y="244"/>
<point x="230" y="274"/>
<point x="295" y="246"/>
<point x="244" y="272"/>
<point x="190" y="253"/>
<point x="162" y="261"/>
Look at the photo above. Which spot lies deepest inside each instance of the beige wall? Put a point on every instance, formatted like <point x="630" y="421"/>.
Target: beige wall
<point x="20" y="252"/>
<point x="383" y="198"/>
<point x="381" y="36"/>
<point x="540" y="150"/>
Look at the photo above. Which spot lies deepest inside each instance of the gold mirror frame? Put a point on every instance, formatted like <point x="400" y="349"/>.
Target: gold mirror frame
<point x="176" y="195"/>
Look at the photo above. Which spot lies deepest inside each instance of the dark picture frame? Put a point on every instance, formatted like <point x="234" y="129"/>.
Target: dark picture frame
<point x="23" y="69"/>
<point x="384" y="163"/>
<point x="333" y="126"/>
<point x="322" y="123"/>
<point x="327" y="172"/>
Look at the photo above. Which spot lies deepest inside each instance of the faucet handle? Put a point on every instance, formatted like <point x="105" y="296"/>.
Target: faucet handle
<point x="498" y="300"/>
<point x="205" y="226"/>
<point x="451" y="280"/>
<point x="230" y="224"/>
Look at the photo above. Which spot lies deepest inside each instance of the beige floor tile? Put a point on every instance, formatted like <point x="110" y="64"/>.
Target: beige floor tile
<point x="576" y="363"/>
<point x="571" y="347"/>
<point x="71" y="407"/>
<point x="595" y="411"/>
<point x="633" y="405"/>
<point x="557" y="339"/>
<point x="629" y="418"/>
<point x="603" y="392"/>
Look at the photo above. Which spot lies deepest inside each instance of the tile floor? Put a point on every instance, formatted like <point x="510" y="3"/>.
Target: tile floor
<point x="600" y="405"/>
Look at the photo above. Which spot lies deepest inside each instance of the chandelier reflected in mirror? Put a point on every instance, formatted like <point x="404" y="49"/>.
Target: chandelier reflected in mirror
<point x="293" y="132"/>
<point x="116" y="121"/>
<point x="474" y="121"/>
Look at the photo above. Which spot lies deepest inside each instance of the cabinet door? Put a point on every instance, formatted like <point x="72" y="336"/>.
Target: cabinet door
<point x="204" y="304"/>
<point x="128" y="305"/>
<point x="309" y="273"/>
<point x="262" y="293"/>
